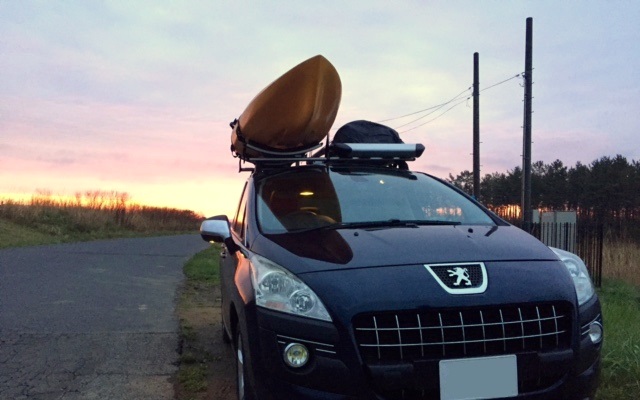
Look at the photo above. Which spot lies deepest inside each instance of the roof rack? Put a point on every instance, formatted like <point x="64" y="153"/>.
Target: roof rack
<point x="366" y="153"/>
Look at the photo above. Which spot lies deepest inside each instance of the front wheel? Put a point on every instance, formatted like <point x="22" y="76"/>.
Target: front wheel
<point x="243" y="390"/>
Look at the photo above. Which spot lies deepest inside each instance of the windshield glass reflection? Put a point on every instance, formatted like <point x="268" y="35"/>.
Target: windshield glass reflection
<point x="303" y="200"/>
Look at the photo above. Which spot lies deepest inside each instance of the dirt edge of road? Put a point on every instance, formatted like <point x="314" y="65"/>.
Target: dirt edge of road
<point x="206" y="367"/>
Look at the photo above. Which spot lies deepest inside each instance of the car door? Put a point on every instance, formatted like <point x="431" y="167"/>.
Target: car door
<point x="229" y="260"/>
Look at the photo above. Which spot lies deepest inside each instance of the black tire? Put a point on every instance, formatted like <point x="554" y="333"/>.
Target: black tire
<point x="242" y="388"/>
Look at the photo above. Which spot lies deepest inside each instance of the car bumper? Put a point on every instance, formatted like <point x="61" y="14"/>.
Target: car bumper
<point x="335" y="370"/>
<point x="581" y="387"/>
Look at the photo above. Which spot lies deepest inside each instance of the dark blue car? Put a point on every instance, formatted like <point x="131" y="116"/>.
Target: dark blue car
<point x="352" y="277"/>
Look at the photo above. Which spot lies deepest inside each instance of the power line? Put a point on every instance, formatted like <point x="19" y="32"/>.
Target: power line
<point x="500" y="83"/>
<point x="427" y="109"/>
<point x="433" y="119"/>
<point x="435" y="108"/>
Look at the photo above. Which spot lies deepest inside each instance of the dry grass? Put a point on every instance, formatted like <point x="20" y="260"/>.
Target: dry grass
<point x="621" y="261"/>
<point x="89" y="215"/>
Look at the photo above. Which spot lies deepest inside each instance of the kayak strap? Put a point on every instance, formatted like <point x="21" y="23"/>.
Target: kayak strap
<point x="266" y="151"/>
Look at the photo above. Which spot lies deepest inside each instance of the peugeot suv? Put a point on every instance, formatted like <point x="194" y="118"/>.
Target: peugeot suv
<point x="351" y="279"/>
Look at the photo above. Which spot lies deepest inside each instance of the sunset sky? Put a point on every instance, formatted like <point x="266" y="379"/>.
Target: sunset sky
<point x="137" y="96"/>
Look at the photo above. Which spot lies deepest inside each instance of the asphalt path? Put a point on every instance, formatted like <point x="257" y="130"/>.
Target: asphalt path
<point x="91" y="320"/>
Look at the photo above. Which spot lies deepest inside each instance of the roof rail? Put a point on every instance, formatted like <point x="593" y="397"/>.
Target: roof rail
<point x="362" y="153"/>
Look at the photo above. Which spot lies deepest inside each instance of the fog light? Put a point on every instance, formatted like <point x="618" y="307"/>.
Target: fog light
<point x="296" y="355"/>
<point x="595" y="332"/>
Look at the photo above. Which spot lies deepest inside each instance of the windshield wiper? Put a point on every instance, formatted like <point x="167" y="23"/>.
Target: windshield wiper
<point x="390" y="223"/>
<point x="436" y="222"/>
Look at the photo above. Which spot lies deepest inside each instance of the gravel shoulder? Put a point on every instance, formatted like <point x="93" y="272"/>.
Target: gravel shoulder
<point x="207" y="366"/>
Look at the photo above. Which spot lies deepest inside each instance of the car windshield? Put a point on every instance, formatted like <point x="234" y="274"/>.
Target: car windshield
<point x="302" y="199"/>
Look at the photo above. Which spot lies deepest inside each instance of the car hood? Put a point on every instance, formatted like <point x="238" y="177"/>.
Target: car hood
<point x="324" y="250"/>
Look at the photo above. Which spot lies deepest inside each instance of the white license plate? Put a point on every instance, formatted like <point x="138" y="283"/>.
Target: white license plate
<point x="479" y="378"/>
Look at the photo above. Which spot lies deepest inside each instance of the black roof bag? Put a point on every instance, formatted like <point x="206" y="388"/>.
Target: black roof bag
<point x="366" y="132"/>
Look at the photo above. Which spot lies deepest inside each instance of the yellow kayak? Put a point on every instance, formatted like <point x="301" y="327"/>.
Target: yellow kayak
<point x="293" y="113"/>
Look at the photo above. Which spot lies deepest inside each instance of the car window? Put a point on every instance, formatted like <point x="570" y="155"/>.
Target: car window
<point x="238" y="223"/>
<point x="302" y="199"/>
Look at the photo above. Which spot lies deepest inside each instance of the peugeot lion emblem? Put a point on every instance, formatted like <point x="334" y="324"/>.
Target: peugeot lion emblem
<point x="462" y="274"/>
<point x="460" y="278"/>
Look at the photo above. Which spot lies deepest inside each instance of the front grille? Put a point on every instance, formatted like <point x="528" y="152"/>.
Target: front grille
<point x="438" y="334"/>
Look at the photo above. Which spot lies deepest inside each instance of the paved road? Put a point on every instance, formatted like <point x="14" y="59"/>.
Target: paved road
<point x="91" y="320"/>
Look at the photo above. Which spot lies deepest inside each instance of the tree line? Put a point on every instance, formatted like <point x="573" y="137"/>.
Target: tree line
<point x="606" y="190"/>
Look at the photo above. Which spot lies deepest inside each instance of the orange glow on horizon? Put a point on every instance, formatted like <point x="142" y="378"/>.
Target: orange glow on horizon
<point x="210" y="199"/>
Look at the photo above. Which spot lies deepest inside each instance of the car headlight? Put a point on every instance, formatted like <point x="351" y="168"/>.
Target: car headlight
<point x="280" y="290"/>
<point x="579" y="273"/>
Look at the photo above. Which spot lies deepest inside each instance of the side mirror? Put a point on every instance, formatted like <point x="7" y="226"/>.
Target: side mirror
<point x="215" y="229"/>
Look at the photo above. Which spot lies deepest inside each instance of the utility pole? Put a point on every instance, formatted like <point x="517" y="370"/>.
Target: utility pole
<point x="526" y="142"/>
<point x="476" y="126"/>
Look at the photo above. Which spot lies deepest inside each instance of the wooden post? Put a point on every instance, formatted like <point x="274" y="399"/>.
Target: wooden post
<point x="476" y="126"/>
<point x="526" y="146"/>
